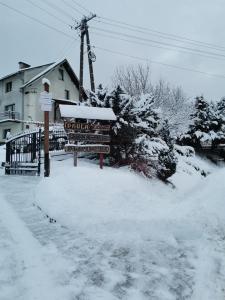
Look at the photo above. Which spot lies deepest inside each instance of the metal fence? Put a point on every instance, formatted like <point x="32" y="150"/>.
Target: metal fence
<point x="23" y="154"/>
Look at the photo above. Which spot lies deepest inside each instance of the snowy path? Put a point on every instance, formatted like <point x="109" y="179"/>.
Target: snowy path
<point x="23" y="274"/>
<point x="45" y="260"/>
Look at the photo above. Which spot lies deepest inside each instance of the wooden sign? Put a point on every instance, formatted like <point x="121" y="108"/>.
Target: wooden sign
<point x="85" y="126"/>
<point x="88" y="137"/>
<point x="87" y="148"/>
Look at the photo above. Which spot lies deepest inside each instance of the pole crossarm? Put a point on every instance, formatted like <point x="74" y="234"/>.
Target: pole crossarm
<point x="85" y="20"/>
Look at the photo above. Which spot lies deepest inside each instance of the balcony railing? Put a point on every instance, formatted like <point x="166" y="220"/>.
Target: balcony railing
<point x="9" y="115"/>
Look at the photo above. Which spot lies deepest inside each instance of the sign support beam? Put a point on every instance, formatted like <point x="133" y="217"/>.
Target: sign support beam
<point x="101" y="160"/>
<point x="46" y="138"/>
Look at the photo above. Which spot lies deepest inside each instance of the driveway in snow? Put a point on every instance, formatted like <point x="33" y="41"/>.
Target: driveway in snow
<point x="116" y="235"/>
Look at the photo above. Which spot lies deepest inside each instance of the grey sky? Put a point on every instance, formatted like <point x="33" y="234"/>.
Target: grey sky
<point x="26" y="40"/>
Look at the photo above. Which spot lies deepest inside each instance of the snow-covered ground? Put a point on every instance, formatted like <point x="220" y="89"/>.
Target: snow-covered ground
<point x="89" y="234"/>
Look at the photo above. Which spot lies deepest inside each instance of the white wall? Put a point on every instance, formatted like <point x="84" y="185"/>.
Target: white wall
<point x="32" y="93"/>
<point x="27" y="101"/>
<point x="13" y="97"/>
<point x="15" y="128"/>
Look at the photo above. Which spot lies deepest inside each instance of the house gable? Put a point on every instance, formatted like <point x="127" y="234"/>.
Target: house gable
<point x="62" y="64"/>
<point x="61" y="90"/>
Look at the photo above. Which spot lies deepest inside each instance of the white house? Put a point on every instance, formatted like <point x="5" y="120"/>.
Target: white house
<point x="20" y="92"/>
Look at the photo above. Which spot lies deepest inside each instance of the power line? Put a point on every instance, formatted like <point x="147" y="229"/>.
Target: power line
<point x="36" y="20"/>
<point x="58" y="9"/>
<point x="158" y="42"/>
<point x="112" y="51"/>
<point x="163" y="33"/>
<point x="48" y="12"/>
<point x="81" y="6"/>
<point x="160" y="63"/>
<point x="163" y="36"/>
<point x="156" y="32"/>
<point x="66" y="50"/>
<point x="154" y="46"/>
<point x="71" y="6"/>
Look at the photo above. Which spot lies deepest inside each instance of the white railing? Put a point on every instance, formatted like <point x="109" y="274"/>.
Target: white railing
<point x="9" y="115"/>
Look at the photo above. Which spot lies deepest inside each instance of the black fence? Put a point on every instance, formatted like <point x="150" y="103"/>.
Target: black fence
<point x="57" y="139"/>
<point x="23" y="154"/>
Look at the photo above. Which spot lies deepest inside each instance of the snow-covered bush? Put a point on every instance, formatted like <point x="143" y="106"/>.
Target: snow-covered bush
<point x="184" y="150"/>
<point x="167" y="163"/>
<point x="139" y="137"/>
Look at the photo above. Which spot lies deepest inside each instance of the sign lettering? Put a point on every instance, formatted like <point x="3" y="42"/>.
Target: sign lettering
<point x="88" y="148"/>
<point x="88" y="137"/>
<point x="85" y="126"/>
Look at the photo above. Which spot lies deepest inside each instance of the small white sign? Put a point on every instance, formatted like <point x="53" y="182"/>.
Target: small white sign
<point x="46" y="101"/>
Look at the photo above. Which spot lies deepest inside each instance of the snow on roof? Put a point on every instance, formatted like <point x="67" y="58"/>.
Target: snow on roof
<point x="87" y="112"/>
<point x="69" y="69"/>
<point x="22" y="70"/>
<point x="66" y="100"/>
<point x="51" y="67"/>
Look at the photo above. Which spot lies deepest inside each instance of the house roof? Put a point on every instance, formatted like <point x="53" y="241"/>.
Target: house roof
<point x="23" y="70"/>
<point x="50" y="68"/>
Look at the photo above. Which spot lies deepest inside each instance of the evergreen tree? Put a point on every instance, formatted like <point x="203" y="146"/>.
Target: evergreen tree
<point x="165" y="133"/>
<point x="221" y="116"/>
<point x="136" y="139"/>
<point x="205" y="125"/>
<point x="147" y="117"/>
<point x="123" y="131"/>
<point x="155" y="155"/>
<point x="205" y="118"/>
<point x="167" y="164"/>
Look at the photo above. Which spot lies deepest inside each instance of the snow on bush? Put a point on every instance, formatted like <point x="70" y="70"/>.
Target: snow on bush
<point x="207" y="127"/>
<point x="139" y="135"/>
<point x="184" y="150"/>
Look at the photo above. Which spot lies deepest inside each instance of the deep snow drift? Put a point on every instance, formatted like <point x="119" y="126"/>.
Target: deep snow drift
<point x="117" y="235"/>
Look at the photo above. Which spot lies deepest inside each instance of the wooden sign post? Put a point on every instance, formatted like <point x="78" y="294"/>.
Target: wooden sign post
<point x="46" y="106"/>
<point x="101" y="160"/>
<point x="80" y="132"/>
<point x="46" y="138"/>
<point x="87" y="132"/>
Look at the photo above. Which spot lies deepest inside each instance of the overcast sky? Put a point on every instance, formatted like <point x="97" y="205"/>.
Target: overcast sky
<point x="23" y="39"/>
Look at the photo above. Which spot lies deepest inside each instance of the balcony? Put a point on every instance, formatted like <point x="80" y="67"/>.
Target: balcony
<point x="9" y="116"/>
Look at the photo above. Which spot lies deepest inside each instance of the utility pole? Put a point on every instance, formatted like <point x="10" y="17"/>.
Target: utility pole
<point x="90" y="61"/>
<point x="91" y="57"/>
<point x="81" y="64"/>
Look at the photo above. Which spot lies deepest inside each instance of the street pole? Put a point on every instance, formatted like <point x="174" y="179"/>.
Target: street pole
<point x="83" y="27"/>
<point x="90" y="60"/>
<point x="46" y="138"/>
<point x="81" y="62"/>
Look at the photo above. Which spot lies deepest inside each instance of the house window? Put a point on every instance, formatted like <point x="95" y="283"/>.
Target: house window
<point x="67" y="94"/>
<point x="6" y="132"/>
<point x="10" y="107"/>
<point x="8" y="87"/>
<point x="61" y="74"/>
